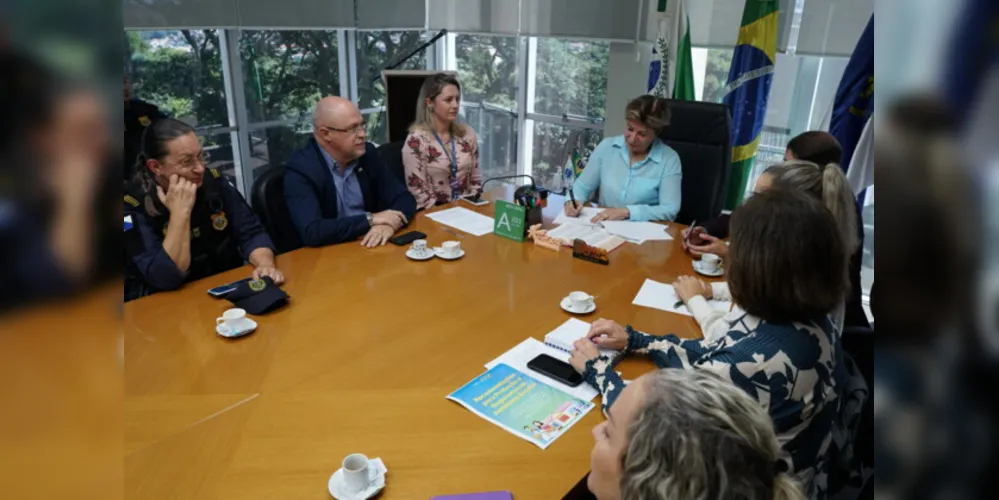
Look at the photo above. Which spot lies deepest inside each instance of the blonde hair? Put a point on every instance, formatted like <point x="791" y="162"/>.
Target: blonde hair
<point x="829" y="185"/>
<point x="432" y="87"/>
<point x="651" y="111"/>
<point x="697" y="437"/>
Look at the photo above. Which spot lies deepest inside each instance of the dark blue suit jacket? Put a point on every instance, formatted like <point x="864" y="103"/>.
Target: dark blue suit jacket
<point x="312" y="202"/>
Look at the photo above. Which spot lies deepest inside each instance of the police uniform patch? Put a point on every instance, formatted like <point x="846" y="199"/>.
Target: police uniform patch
<point x="131" y="200"/>
<point x="196" y="232"/>
<point x="215" y="172"/>
<point x="257" y="285"/>
<point x="144" y="120"/>
<point x="219" y="221"/>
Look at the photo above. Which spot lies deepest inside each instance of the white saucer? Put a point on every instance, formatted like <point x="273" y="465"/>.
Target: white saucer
<point x="567" y="307"/>
<point x="717" y="272"/>
<point x="440" y="253"/>
<point x="376" y="476"/>
<point x="224" y="330"/>
<point x="429" y="254"/>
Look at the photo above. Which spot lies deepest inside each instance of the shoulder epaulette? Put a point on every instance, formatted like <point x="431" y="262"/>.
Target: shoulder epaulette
<point x="215" y="173"/>
<point x="131" y="200"/>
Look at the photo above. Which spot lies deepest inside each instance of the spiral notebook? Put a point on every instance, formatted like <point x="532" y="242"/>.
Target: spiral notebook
<point x="569" y="332"/>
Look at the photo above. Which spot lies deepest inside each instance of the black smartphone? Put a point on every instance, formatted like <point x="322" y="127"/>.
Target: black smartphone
<point x="222" y="290"/>
<point x="405" y="239"/>
<point x="556" y="369"/>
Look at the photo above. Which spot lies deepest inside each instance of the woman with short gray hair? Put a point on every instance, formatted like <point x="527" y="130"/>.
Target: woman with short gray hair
<point x="682" y="434"/>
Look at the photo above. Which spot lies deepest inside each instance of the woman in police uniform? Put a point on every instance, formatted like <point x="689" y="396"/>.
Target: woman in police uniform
<point x="186" y="225"/>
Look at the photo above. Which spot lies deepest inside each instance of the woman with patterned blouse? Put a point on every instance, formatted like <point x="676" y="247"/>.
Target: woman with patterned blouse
<point x="783" y="350"/>
<point x="441" y="156"/>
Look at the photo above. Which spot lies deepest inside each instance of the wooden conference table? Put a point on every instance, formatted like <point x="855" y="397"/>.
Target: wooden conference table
<point x="361" y="361"/>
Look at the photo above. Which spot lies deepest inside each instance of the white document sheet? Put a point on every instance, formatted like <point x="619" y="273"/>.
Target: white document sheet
<point x="465" y="220"/>
<point x="637" y="231"/>
<point x="518" y="357"/>
<point x="583" y="218"/>
<point x="662" y="296"/>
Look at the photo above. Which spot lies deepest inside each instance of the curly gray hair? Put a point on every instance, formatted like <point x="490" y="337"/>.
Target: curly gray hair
<point x="698" y="437"/>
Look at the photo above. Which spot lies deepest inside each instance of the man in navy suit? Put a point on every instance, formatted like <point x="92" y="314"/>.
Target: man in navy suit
<point x="337" y="188"/>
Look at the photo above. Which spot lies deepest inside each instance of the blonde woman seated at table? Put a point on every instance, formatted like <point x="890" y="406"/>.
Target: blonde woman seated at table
<point x="828" y="185"/>
<point x="441" y="156"/>
<point x="637" y="174"/>
<point x="687" y="435"/>
<point x="781" y="349"/>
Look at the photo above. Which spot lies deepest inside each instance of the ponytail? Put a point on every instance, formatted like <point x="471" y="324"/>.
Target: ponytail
<point x="837" y="196"/>
<point x="830" y="186"/>
<point x="786" y="487"/>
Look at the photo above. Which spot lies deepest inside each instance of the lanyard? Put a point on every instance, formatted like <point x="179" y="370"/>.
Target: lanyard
<point x="455" y="187"/>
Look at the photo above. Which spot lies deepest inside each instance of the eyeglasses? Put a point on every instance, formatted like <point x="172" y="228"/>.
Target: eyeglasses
<point x="355" y="130"/>
<point x="189" y="162"/>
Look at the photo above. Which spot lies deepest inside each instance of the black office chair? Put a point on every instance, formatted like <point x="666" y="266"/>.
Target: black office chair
<point x="701" y="133"/>
<point x="391" y="155"/>
<point x="267" y="198"/>
<point x="858" y="345"/>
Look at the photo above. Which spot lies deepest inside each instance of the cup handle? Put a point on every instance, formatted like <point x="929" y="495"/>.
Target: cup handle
<point x="219" y="321"/>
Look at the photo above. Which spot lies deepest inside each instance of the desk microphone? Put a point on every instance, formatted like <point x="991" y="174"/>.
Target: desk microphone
<point x="478" y="194"/>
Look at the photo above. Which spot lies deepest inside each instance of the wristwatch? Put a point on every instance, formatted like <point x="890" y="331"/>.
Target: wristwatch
<point x="371" y="218"/>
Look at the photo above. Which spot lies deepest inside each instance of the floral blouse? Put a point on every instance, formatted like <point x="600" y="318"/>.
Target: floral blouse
<point x="795" y="370"/>
<point x="428" y="167"/>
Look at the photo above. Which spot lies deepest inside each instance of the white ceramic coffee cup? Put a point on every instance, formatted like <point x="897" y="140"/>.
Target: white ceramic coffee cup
<point x="234" y="319"/>
<point x="420" y="246"/>
<point x="580" y="301"/>
<point x="710" y="262"/>
<point x="355" y="472"/>
<point x="451" y="248"/>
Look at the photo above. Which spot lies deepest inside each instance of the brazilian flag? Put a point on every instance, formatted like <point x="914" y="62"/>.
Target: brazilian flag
<point x="748" y="89"/>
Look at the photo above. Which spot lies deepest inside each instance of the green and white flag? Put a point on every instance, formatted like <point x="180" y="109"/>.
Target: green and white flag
<point x="672" y="75"/>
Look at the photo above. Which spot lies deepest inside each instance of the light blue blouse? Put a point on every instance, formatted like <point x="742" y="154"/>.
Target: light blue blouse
<point x="650" y="189"/>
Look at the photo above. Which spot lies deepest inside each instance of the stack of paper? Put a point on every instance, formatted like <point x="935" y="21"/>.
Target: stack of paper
<point x="465" y="220"/>
<point x="637" y="231"/>
<point x="662" y="296"/>
<point x="583" y="217"/>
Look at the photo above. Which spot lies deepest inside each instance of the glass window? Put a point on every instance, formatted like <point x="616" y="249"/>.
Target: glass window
<point x="497" y="133"/>
<point x="552" y="143"/>
<point x="571" y="77"/>
<point x="179" y="71"/>
<point x="716" y="74"/>
<point x="220" y="153"/>
<point x="378" y="49"/>
<point x="375" y="124"/>
<point x="375" y="51"/>
<point x="273" y="146"/>
<point x="286" y="72"/>
<point x="487" y="69"/>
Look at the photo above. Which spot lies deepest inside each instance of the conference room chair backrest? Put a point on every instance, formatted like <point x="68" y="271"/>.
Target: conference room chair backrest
<point x="267" y="199"/>
<point x="701" y="134"/>
<point x="391" y="155"/>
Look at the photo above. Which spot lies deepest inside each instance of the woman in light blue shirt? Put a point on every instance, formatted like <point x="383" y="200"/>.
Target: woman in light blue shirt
<point x="636" y="174"/>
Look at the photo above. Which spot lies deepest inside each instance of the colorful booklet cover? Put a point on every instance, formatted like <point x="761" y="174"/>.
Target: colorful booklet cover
<point x="521" y="405"/>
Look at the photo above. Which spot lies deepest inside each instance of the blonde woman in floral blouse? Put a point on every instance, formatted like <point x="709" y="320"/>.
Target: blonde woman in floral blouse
<point x="441" y="156"/>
